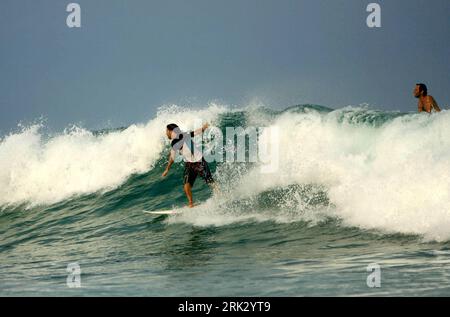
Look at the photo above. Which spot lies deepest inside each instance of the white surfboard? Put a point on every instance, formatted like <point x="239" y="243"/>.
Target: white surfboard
<point x="163" y="212"/>
<point x="174" y="211"/>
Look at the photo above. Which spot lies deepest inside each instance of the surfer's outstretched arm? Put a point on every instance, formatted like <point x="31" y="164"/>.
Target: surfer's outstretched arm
<point x="202" y="129"/>
<point x="169" y="164"/>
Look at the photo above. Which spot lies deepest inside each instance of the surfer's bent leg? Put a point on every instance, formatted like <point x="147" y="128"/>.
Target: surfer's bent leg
<point x="189" y="178"/>
<point x="191" y="171"/>
<point x="188" y="191"/>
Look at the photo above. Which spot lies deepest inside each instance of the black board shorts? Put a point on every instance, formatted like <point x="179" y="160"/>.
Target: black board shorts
<point x="194" y="169"/>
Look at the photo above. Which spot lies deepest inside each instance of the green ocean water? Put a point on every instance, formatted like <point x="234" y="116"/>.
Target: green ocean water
<point x="310" y="229"/>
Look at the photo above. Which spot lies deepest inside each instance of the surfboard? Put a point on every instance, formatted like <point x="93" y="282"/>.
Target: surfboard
<point x="174" y="211"/>
<point x="163" y="212"/>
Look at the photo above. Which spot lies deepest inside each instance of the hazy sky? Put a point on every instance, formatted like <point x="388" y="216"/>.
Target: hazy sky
<point x="131" y="56"/>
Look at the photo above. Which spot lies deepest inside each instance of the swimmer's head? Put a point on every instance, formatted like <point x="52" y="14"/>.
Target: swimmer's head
<point x="420" y="90"/>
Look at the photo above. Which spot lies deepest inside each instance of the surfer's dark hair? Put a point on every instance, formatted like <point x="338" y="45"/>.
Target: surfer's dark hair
<point x="423" y="88"/>
<point x="171" y="126"/>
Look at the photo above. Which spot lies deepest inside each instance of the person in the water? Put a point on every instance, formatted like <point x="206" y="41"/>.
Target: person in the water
<point x="426" y="102"/>
<point x="195" y="164"/>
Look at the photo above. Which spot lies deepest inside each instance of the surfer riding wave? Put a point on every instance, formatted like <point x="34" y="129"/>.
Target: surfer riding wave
<point x="195" y="164"/>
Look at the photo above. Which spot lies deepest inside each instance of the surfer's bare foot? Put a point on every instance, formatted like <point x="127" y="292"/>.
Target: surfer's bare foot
<point x="191" y="205"/>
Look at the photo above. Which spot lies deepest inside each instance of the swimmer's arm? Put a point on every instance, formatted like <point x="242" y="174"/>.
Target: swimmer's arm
<point x="202" y="129"/>
<point x="434" y="104"/>
<point x="169" y="164"/>
<point x="420" y="106"/>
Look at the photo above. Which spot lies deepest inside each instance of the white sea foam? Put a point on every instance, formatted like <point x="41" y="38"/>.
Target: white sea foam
<point x="395" y="177"/>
